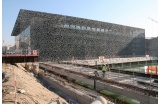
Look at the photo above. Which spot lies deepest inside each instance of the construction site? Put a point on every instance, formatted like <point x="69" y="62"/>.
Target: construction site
<point x="60" y="59"/>
<point x="75" y="81"/>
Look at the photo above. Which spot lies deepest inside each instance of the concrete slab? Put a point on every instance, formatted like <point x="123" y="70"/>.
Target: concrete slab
<point x="101" y="86"/>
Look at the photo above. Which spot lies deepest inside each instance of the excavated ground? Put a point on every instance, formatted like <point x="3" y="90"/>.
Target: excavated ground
<point x="29" y="90"/>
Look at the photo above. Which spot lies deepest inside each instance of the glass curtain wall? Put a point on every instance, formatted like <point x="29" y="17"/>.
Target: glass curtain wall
<point x="24" y="39"/>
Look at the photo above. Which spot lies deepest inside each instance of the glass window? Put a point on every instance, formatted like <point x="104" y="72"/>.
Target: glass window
<point x="110" y="30"/>
<point x="78" y="27"/>
<point x="102" y="30"/>
<point x="98" y="29"/>
<point x="83" y="28"/>
<point x="24" y="38"/>
<point x="106" y="30"/>
<point x="66" y="26"/>
<point x="88" y="28"/>
<point x="72" y="26"/>
<point x="94" y="29"/>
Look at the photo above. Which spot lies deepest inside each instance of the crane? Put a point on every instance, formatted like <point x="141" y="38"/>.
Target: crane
<point x="152" y="19"/>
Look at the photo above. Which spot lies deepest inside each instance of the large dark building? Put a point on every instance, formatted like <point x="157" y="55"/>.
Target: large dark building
<point x="152" y="47"/>
<point x="62" y="37"/>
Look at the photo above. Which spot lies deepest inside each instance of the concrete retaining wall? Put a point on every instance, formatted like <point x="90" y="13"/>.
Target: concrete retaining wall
<point x="122" y="91"/>
<point x="103" y="86"/>
<point x="71" y="75"/>
<point x="35" y="68"/>
<point x="80" y="97"/>
<point x="28" y="66"/>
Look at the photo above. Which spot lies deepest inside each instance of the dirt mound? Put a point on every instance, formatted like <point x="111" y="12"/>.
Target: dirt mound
<point x="28" y="90"/>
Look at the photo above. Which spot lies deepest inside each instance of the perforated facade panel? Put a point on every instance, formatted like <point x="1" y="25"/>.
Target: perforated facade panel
<point x="62" y="37"/>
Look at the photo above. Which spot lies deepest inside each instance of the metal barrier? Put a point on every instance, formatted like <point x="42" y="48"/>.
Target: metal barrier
<point x="23" y="51"/>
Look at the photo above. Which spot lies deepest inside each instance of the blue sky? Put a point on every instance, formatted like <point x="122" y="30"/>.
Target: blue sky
<point x="126" y="12"/>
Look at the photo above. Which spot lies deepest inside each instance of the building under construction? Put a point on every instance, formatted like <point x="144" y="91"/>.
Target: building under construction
<point x="64" y="37"/>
